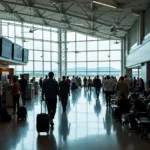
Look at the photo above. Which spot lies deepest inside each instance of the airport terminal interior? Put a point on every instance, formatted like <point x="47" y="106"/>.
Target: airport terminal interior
<point x="85" y="40"/>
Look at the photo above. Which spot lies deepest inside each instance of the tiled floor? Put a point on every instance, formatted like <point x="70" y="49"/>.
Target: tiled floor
<point x="88" y="125"/>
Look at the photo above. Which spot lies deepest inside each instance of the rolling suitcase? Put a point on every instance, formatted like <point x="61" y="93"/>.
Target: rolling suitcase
<point x="42" y="121"/>
<point x="22" y="112"/>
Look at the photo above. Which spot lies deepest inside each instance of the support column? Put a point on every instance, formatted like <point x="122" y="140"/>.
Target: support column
<point x="145" y="73"/>
<point x="62" y="53"/>
<point x="0" y="27"/>
<point x="141" y="28"/>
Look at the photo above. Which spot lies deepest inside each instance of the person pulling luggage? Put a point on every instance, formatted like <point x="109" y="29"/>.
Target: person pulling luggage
<point x="50" y="90"/>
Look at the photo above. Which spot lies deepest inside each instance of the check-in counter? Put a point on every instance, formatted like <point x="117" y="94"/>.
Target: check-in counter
<point x="30" y="91"/>
<point x="7" y="96"/>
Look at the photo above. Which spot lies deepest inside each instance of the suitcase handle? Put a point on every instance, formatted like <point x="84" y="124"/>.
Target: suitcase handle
<point x="41" y="106"/>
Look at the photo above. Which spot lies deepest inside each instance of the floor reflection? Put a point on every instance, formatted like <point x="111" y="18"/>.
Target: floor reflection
<point x="87" y="124"/>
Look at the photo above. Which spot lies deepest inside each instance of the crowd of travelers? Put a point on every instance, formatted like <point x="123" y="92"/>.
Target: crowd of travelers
<point x="124" y="93"/>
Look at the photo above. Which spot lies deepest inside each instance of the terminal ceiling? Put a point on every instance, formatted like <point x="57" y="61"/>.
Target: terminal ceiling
<point x="84" y="16"/>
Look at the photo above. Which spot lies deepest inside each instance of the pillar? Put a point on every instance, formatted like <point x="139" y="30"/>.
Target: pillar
<point x="62" y="55"/>
<point x="0" y="27"/>
<point x="145" y="72"/>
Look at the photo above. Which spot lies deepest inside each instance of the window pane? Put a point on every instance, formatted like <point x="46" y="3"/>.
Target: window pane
<point x="81" y="66"/>
<point x="29" y="72"/>
<point x="70" y="36"/>
<point x="30" y="55"/>
<point x="46" y="35"/>
<point x="115" y="74"/>
<point x="54" y="36"/>
<point x="26" y="33"/>
<point x="104" y="55"/>
<point x="47" y="56"/>
<point x="38" y="55"/>
<point x="103" y="66"/>
<point x="103" y="73"/>
<point x="92" y="45"/>
<point x="71" y="66"/>
<point x="38" y="45"/>
<point x="115" y="55"/>
<point x="54" y="46"/>
<point x="92" y="66"/>
<point x="81" y="74"/>
<point x="81" y="46"/>
<point x="29" y="66"/>
<point x="19" y="42"/>
<point x="92" y="74"/>
<point x="54" y="56"/>
<point x="4" y="30"/>
<point x="38" y="34"/>
<point x="115" y="66"/>
<point x="47" y="66"/>
<point x="91" y="38"/>
<point x="38" y="75"/>
<point x="114" y="45"/>
<point x="46" y="46"/>
<point x="29" y="44"/>
<point x="71" y="56"/>
<point x="71" y="46"/>
<point x="81" y="56"/>
<point x="92" y="56"/>
<point x="54" y="66"/>
<point x="38" y="66"/>
<point x="11" y="31"/>
<point x="18" y="31"/>
<point x="19" y="68"/>
<point x="12" y="66"/>
<point x="80" y="37"/>
<point x="103" y="45"/>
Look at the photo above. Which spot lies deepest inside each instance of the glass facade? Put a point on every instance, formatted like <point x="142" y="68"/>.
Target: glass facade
<point x="89" y="56"/>
<point x="86" y="55"/>
<point x="42" y="45"/>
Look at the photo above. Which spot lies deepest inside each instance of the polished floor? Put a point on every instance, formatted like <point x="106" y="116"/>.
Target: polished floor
<point x="87" y="125"/>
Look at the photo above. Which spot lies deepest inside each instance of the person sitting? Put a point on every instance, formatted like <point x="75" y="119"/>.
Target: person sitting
<point x="138" y="106"/>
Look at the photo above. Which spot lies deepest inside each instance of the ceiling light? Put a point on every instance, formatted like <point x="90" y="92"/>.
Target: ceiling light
<point x="100" y="3"/>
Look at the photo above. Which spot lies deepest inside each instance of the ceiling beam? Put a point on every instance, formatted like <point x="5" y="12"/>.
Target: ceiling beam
<point x="31" y="3"/>
<point x="64" y="23"/>
<point x="57" y="12"/>
<point x="10" y="11"/>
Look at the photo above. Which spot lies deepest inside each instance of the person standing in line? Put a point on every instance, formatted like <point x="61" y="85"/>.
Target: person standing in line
<point x="41" y="82"/>
<point x="68" y="82"/>
<point x="50" y="90"/>
<point x="126" y="80"/>
<point x="108" y="88"/>
<point x="98" y="85"/>
<point x="23" y="88"/>
<point x="45" y="78"/>
<point x="64" y="92"/>
<point x="73" y="84"/>
<point x="15" y="94"/>
<point x="85" y="82"/>
<point x="89" y="83"/>
<point x="122" y="89"/>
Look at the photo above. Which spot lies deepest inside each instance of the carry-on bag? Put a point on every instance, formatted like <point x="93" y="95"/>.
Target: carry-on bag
<point x="42" y="121"/>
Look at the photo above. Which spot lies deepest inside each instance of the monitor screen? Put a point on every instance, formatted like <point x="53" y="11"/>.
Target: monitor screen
<point x="6" y="48"/>
<point x="17" y="52"/>
<point x="25" y="55"/>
